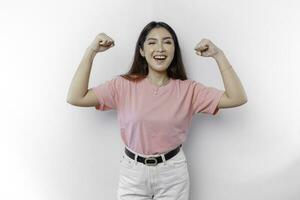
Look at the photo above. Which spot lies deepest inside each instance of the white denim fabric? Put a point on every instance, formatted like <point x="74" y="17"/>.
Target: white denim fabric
<point x="168" y="180"/>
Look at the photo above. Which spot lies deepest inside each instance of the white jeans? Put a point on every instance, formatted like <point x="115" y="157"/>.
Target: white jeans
<point x="168" y="180"/>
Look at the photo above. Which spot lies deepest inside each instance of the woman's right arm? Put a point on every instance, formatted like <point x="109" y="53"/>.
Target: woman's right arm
<point x="79" y="94"/>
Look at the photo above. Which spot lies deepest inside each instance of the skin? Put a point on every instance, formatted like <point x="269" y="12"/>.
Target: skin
<point x="233" y="96"/>
<point x="80" y="95"/>
<point x="157" y="46"/>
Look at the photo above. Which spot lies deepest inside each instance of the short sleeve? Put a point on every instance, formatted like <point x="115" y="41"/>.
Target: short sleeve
<point x="107" y="94"/>
<point x="205" y="99"/>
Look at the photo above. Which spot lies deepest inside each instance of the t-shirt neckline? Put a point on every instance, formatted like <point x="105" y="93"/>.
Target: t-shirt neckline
<point x="158" y="89"/>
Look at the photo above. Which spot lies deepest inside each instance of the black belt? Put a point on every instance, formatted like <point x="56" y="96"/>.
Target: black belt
<point x="152" y="161"/>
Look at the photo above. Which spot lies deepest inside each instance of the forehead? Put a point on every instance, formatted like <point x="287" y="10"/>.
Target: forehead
<point x="158" y="33"/>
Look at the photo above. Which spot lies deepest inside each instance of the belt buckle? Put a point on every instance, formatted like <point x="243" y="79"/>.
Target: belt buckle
<point x="150" y="164"/>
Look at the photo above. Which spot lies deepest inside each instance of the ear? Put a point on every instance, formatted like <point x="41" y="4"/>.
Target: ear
<point x="142" y="52"/>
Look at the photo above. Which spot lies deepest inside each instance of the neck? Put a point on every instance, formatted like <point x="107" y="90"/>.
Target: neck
<point x="158" y="79"/>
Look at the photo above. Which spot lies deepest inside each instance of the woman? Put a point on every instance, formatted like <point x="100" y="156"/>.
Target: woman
<point x="155" y="103"/>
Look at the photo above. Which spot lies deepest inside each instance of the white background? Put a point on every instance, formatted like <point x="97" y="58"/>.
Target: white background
<point x="50" y="149"/>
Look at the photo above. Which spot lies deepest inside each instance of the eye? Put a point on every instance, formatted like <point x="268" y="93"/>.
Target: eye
<point x="166" y="42"/>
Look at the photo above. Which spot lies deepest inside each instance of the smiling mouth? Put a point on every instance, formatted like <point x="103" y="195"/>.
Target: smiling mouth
<point x="159" y="59"/>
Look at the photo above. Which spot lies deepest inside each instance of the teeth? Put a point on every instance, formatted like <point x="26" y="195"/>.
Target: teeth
<point x="162" y="57"/>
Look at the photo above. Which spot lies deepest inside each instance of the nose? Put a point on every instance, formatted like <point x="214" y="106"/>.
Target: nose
<point x="160" y="46"/>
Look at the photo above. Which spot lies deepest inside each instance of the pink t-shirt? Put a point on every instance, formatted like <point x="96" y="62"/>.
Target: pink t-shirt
<point x="153" y="119"/>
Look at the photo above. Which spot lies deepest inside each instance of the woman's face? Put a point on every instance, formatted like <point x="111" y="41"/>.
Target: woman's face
<point x="158" y="42"/>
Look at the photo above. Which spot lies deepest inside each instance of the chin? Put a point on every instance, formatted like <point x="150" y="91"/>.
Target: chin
<point x="162" y="67"/>
<point x="159" y="68"/>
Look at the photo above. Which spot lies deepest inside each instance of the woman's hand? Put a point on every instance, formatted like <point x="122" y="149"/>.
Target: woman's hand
<point x="206" y="48"/>
<point x="102" y="42"/>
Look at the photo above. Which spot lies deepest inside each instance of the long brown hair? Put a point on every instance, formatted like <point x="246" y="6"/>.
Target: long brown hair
<point x="139" y="67"/>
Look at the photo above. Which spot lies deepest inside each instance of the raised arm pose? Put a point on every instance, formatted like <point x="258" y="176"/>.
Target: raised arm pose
<point x="155" y="102"/>
<point x="78" y="94"/>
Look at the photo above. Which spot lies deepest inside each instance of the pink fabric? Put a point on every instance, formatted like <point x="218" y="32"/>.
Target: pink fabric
<point x="153" y="119"/>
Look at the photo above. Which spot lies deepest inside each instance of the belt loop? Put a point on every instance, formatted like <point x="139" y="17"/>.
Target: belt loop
<point x="135" y="159"/>
<point x="163" y="158"/>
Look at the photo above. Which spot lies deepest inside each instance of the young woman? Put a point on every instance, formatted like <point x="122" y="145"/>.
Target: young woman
<point x="155" y="102"/>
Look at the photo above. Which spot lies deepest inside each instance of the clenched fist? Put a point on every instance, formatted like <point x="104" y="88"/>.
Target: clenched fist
<point x="102" y="42"/>
<point x="206" y="48"/>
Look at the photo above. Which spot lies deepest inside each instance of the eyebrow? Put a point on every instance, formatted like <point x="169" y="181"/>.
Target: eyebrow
<point x="156" y="39"/>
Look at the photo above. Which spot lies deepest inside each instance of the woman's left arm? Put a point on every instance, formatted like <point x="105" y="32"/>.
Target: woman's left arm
<point x="234" y="94"/>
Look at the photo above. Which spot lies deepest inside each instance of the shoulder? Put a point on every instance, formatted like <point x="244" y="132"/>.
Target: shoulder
<point x="191" y="86"/>
<point x="123" y="82"/>
<point x="130" y="77"/>
<point x="187" y="83"/>
<point x="119" y="79"/>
